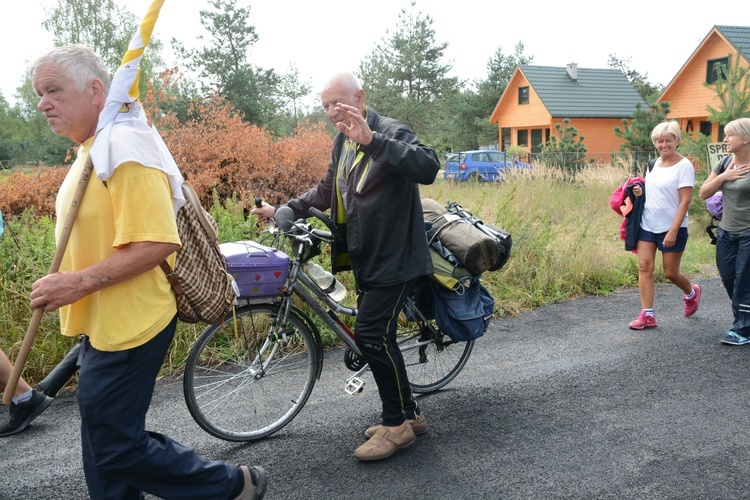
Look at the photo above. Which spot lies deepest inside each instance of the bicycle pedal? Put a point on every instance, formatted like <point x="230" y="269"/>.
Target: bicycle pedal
<point x="354" y="386"/>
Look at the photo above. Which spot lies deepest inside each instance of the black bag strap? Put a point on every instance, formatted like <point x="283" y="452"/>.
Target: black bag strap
<point x="724" y="163"/>
<point x="711" y="229"/>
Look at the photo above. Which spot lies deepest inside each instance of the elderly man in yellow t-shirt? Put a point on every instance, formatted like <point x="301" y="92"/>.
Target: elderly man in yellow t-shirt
<point x="111" y="290"/>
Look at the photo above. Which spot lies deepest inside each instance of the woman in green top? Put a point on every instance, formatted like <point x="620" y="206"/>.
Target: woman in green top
<point x="733" y="242"/>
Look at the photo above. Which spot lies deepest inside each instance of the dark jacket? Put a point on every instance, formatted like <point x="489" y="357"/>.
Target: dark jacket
<point x="633" y="224"/>
<point x="384" y="235"/>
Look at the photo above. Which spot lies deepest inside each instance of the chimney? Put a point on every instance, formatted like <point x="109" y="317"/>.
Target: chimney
<point x="573" y="71"/>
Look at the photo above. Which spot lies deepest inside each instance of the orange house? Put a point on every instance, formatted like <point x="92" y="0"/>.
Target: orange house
<point x="687" y="93"/>
<point x="594" y="100"/>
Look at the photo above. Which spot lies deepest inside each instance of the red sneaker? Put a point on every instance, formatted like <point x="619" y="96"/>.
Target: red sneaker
<point x="691" y="305"/>
<point x="642" y="321"/>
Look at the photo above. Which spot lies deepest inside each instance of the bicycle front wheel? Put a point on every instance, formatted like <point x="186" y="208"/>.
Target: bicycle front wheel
<point x="245" y="378"/>
<point x="432" y="359"/>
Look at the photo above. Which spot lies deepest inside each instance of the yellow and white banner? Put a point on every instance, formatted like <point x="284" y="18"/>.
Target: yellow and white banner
<point x="123" y="132"/>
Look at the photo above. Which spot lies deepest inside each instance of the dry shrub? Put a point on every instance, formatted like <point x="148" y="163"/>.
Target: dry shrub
<point x="217" y="151"/>
<point x="35" y="190"/>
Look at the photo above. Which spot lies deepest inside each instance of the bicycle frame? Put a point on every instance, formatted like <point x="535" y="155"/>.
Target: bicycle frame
<point x="301" y="285"/>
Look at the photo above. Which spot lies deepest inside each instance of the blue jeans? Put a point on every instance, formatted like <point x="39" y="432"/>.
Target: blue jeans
<point x="120" y="458"/>
<point x="733" y="261"/>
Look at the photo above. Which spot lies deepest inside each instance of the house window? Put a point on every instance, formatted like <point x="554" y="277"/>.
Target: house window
<point x="722" y="135"/>
<point x="523" y="95"/>
<point x="716" y="67"/>
<point x="706" y="129"/>
<point x="523" y="138"/>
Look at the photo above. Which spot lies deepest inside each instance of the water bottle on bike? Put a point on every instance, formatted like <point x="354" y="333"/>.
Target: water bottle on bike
<point x="326" y="281"/>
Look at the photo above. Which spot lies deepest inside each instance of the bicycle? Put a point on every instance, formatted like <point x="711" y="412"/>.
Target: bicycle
<point x="249" y="376"/>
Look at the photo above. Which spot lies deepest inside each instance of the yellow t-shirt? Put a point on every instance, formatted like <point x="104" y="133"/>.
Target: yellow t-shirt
<point x="135" y="205"/>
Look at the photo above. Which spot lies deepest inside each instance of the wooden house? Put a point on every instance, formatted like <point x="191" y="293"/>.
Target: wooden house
<point x="688" y="93"/>
<point x="538" y="97"/>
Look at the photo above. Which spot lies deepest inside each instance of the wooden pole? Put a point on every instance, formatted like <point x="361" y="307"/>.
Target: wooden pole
<point x="36" y="319"/>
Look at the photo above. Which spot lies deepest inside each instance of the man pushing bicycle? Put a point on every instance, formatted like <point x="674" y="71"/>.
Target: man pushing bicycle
<point x="371" y="187"/>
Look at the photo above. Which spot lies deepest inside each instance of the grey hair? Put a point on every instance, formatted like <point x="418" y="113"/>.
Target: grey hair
<point x="345" y="80"/>
<point x="77" y="62"/>
<point x="739" y="127"/>
<point x="666" y="128"/>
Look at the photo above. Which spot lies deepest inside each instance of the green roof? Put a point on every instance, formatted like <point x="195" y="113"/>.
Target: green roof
<point x="595" y="93"/>
<point x="739" y="36"/>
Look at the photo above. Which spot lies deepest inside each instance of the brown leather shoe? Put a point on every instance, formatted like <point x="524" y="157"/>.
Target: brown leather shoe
<point x="418" y="425"/>
<point x="385" y="442"/>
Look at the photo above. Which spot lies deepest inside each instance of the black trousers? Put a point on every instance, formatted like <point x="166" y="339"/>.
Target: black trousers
<point x="375" y="335"/>
<point x="121" y="459"/>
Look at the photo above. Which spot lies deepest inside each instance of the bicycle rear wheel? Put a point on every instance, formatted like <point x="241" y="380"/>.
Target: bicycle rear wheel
<point x="432" y="359"/>
<point x="244" y="380"/>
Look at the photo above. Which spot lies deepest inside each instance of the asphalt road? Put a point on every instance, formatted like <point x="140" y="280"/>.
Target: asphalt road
<point x="560" y="402"/>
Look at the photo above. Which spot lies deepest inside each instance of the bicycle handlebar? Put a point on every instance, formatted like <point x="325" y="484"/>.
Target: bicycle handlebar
<point x="285" y="222"/>
<point x="326" y="220"/>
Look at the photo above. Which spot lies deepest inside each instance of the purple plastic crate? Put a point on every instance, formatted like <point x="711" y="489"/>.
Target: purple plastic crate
<point x="259" y="271"/>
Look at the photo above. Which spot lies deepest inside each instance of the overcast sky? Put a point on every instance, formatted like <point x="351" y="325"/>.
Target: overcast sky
<point x="321" y="37"/>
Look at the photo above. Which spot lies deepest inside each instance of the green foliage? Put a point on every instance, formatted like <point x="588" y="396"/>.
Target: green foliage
<point x="732" y="89"/>
<point x="293" y="90"/>
<point x="11" y="125"/>
<point x="99" y="24"/>
<point x="517" y="152"/>
<point x="26" y="250"/>
<point x="637" y="133"/>
<point x="106" y="28"/>
<point x="695" y="147"/>
<point x="36" y="143"/>
<point x="404" y="75"/>
<point x="172" y="94"/>
<point x="452" y="123"/>
<point x="222" y="61"/>
<point x="229" y="215"/>
<point x="566" y="151"/>
<point x="462" y="117"/>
